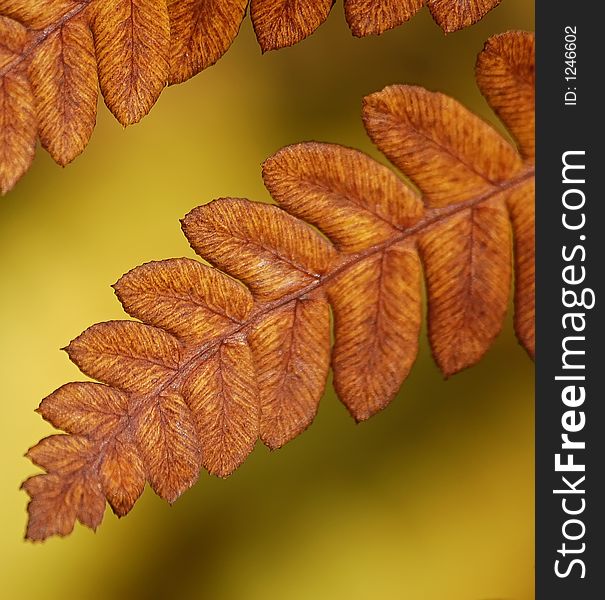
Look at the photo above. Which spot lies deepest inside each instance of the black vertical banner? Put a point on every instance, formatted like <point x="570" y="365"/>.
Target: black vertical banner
<point x="570" y="267"/>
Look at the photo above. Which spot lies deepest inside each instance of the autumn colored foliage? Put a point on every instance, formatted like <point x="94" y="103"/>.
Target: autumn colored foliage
<point x="223" y="355"/>
<point x="53" y="53"/>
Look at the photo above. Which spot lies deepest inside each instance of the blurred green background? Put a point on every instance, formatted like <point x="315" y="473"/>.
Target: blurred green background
<point x="430" y="500"/>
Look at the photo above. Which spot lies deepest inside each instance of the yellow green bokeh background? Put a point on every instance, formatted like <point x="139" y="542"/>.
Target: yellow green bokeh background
<point x="430" y="500"/>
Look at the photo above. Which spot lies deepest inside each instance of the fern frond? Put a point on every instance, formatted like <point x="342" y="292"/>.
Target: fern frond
<point x="52" y="52"/>
<point x="229" y="353"/>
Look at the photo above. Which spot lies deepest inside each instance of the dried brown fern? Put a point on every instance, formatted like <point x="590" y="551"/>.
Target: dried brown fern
<point x="229" y="354"/>
<point x="53" y="51"/>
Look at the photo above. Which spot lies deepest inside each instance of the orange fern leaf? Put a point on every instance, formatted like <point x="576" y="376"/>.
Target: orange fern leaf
<point x="229" y="353"/>
<point x="52" y="52"/>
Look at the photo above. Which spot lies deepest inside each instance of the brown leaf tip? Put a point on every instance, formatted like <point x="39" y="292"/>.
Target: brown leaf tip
<point x="368" y="17"/>
<point x="283" y="23"/>
<point x="453" y="15"/>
